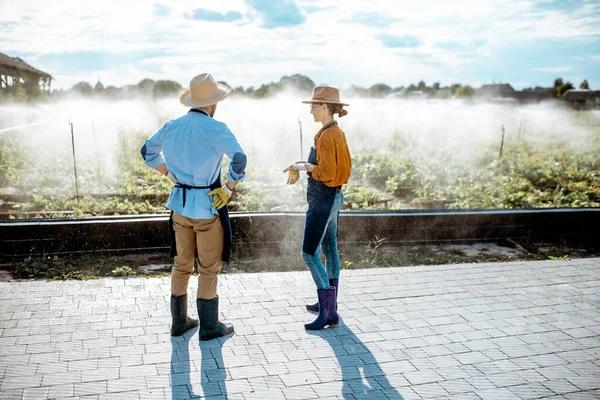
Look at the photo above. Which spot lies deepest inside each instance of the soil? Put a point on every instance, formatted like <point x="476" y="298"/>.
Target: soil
<point x="373" y="255"/>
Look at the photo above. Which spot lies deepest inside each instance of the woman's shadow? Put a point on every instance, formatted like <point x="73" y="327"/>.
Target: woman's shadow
<point x="362" y="376"/>
<point x="211" y="371"/>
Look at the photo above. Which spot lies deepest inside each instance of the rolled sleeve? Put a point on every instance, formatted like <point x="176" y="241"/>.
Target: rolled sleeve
<point x="237" y="168"/>
<point x="226" y="142"/>
<point x="152" y="149"/>
<point x="152" y="154"/>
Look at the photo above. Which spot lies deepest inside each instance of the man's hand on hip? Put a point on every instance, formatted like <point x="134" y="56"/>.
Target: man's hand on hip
<point x="220" y="196"/>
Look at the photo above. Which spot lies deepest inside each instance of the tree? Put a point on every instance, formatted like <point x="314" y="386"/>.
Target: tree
<point x="563" y="88"/>
<point x="464" y="91"/>
<point x="436" y="86"/>
<point x="83" y="88"/>
<point x="299" y="82"/>
<point x="112" y="92"/>
<point x="262" y="91"/>
<point x="584" y="85"/>
<point x="558" y="82"/>
<point x="165" y="88"/>
<point x="145" y="87"/>
<point x="421" y="86"/>
<point x="358" y="91"/>
<point x="560" y="87"/>
<point x="380" y="90"/>
<point x="239" y="90"/>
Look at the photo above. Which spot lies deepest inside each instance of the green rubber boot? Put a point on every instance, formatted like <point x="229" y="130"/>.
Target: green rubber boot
<point x="210" y="326"/>
<point x="181" y="322"/>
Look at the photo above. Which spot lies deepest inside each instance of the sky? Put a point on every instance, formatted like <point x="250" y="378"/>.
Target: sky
<point x="336" y="42"/>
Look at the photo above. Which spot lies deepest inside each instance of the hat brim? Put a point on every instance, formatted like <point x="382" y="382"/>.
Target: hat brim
<point x="222" y="93"/>
<point x="323" y="102"/>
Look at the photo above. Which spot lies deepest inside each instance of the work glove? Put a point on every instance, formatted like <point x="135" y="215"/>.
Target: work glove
<point x="293" y="171"/>
<point x="220" y="196"/>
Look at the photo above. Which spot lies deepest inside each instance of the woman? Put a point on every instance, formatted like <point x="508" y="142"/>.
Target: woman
<point x="328" y="168"/>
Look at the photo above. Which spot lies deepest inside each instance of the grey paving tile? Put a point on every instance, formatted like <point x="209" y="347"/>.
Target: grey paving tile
<point x="585" y="382"/>
<point x="519" y="340"/>
<point x="561" y="386"/>
<point x="36" y="393"/>
<point x="457" y="386"/>
<point x="497" y="394"/>
<point x="90" y="388"/>
<point x="299" y="393"/>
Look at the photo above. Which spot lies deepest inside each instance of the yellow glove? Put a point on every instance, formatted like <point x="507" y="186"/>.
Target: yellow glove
<point x="293" y="172"/>
<point x="220" y="196"/>
<point x="293" y="175"/>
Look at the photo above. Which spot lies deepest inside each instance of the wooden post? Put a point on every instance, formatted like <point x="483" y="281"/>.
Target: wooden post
<point x="74" y="162"/>
<point x="502" y="142"/>
<point x="301" y="151"/>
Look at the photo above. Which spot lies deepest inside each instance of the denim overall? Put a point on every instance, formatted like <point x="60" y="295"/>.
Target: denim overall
<point x="324" y="203"/>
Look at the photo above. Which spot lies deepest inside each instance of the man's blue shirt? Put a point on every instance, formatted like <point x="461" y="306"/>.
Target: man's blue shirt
<point x="193" y="147"/>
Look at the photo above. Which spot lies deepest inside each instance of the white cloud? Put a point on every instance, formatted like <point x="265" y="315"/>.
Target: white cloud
<point x="248" y="54"/>
<point x="552" y="69"/>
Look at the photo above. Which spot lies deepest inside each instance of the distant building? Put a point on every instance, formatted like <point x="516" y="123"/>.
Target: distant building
<point x="14" y="72"/>
<point x="500" y="91"/>
<point x="582" y="98"/>
<point x="99" y="86"/>
<point x="535" y="95"/>
<point x="504" y="92"/>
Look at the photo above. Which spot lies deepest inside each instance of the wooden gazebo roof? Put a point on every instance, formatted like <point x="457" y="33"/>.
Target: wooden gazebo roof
<point x="14" y="66"/>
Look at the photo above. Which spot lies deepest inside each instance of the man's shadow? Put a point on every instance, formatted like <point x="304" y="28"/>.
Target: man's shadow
<point x="211" y="371"/>
<point x="354" y="357"/>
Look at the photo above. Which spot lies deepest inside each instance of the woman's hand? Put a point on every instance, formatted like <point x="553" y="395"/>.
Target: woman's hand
<point x="293" y="175"/>
<point x="309" y="167"/>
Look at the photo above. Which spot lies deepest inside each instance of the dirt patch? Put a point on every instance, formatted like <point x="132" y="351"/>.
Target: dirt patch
<point x="376" y="254"/>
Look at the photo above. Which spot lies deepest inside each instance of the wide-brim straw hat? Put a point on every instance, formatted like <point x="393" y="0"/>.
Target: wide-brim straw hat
<point x="204" y="91"/>
<point x="325" y="94"/>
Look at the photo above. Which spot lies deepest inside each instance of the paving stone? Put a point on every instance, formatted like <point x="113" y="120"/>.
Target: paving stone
<point x="61" y="391"/>
<point x="560" y="386"/>
<point x="447" y="332"/>
<point x="497" y="394"/>
<point x="531" y="391"/>
<point x="36" y="393"/>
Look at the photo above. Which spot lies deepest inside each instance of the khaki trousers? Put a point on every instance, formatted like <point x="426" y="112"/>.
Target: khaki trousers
<point x="206" y="235"/>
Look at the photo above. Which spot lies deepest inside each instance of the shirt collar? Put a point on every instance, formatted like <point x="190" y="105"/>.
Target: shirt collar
<point x="199" y="110"/>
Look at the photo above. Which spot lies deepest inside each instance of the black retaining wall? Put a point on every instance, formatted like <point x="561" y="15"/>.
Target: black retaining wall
<point x="279" y="232"/>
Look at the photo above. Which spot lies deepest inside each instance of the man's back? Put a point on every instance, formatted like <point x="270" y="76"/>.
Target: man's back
<point x="193" y="147"/>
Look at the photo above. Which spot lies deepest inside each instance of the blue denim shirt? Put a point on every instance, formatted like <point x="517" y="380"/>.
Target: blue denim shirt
<point x="193" y="147"/>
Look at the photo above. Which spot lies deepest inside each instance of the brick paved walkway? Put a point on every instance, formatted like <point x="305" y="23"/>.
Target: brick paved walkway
<point x="519" y="330"/>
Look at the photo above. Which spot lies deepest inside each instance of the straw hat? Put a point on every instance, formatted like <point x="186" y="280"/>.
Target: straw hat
<point x="204" y="91"/>
<point x="325" y="94"/>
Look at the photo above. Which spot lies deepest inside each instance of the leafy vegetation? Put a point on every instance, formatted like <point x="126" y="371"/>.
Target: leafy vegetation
<point x="529" y="174"/>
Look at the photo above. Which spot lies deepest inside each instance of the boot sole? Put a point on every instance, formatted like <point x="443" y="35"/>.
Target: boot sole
<point x="214" y="336"/>
<point x="179" y="333"/>
<point x="330" y="325"/>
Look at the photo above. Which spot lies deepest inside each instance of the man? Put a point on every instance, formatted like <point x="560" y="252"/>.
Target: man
<point x="189" y="150"/>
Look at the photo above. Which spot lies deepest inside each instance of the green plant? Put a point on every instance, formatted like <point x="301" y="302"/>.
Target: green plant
<point x="123" y="270"/>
